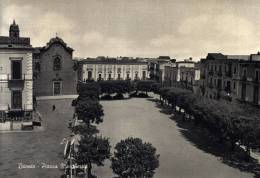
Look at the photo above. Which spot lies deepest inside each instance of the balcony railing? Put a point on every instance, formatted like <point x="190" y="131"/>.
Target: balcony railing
<point x="16" y="115"/>
<point x="16" y="83"/>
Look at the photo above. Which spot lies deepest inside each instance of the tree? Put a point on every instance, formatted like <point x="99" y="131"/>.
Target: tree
<point x="133" y="158"/>
<point x="90" y="111"/>
<point x="144" y="85"/>
<point x="83" y="129"/>
<point x="92" y="150"/>
<point x="88" y="90"/>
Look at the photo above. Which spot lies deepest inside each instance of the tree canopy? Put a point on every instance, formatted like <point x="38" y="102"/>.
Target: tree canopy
<point x="133" y="158"/>
<point x="92" y="150"/>
<point x="90" y="111"/>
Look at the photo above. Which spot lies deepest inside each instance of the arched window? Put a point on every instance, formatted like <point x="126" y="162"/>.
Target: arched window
<point x="57" y="63"/>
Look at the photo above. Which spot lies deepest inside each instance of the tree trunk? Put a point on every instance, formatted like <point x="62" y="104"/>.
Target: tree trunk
<point x="89" y="170"/>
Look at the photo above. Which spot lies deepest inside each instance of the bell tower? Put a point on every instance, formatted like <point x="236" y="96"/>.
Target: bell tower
<point x="14" y="30"/>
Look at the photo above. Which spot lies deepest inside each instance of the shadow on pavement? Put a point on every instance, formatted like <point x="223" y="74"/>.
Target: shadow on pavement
<point x="204" y="140"/>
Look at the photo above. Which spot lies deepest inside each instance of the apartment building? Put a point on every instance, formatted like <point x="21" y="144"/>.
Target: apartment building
<point x="16" y="77"/>
<point x="231" y="77"/>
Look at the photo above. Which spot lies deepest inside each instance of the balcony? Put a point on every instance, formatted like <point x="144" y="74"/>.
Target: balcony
<point x="228" y="73"/>
<point x="17" y="84"/>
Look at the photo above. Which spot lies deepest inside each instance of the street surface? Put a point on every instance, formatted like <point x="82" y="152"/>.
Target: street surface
<point x="135" y="117"/>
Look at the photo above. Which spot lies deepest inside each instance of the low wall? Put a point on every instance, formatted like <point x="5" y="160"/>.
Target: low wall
<point x="56" y="97"/>
<point x="5" y="126"/>
<point x="14" y="125"/>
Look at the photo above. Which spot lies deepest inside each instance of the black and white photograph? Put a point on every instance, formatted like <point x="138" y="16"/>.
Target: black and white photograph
<point x="129" y="89"/>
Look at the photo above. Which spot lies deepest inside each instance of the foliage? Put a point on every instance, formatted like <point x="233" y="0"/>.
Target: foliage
<point x="232" y="122"/>
<point x="144" y="85"/>
<point x="92" y="150"/>
<point x="90" y="111"/>
<point x="85" y="130"/>
<point x="88" y="90"/>
<point x="115" y="86"/>
<point x="155" y="87"/>
<point x="133" y="158"/>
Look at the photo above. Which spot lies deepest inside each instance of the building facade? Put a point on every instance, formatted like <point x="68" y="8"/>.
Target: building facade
<point x="112" y="69"/>
<point x="249" y="80"/>
<point x="185" y="74"/>
<point x="157" y="66"/>
<point x="231" y="77"/>
<point x="54" y="70"/>
<point x="16" y="76"/>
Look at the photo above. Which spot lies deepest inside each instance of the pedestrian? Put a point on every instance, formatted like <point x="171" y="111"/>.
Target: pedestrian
<point x="53" y="107"/>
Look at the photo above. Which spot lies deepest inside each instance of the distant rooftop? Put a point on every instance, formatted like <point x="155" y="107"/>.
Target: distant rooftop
<point x="112" y="60"/>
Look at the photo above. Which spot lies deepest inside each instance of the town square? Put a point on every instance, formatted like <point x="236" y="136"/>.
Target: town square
<point x="120" y="89"/>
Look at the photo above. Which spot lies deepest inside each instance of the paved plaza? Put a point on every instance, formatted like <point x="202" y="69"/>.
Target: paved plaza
<point x="136" y="117"/>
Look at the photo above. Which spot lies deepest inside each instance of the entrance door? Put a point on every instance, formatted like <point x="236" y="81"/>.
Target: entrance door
<point x="16" y="69"/>
<point x="57" y="86"/>
<point x="16" y="99"/>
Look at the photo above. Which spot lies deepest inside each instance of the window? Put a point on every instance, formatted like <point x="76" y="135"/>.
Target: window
<point x="136" y="75"/>
<point x="144" y="75"/>
<point x="16" y="69"/>
<point x="16" y="99"/>
<point x="89" y="75"/>
<point x="235" y="70"/>
<point x="119" y="70"/>
<point x="99" y="76"/>
<point x="57" y="63"/>
<point x="118" y="76"/>
<point x="109" y="76"/>
<point x="57" y="86"/>
<point x="234" y="85"/>
<point x="127" y="76"/>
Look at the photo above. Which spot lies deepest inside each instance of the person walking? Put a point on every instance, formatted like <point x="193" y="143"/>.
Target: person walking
<point x="53" y="107"/>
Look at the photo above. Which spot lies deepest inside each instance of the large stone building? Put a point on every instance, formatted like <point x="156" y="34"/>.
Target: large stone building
<point x="16" y="77"/>
<point x="231" y="77"/>
<point x="104" y="68"/>
<point x="54" y="70"/>
<point x="185" y="74"/>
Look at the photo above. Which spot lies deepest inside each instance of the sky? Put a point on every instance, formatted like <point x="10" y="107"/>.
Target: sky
<point x="139" y="28"/>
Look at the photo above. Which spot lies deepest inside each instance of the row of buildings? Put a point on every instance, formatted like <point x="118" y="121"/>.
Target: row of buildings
<point x="27" y="71"/>
<point x="218" y="76"/>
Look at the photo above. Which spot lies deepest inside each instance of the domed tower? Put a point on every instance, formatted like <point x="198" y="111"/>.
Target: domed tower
<point x="14" y="30"/>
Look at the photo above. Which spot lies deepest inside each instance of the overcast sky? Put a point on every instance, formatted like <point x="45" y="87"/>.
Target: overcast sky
<point x="144" y="28"/>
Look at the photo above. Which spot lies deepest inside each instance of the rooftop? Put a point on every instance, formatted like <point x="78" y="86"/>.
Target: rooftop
<point x="112" y="60"/>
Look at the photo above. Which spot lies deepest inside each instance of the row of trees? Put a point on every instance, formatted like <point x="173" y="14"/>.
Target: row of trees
<point x="230" y="122"/>
<point x="132" y="157"/>
<point x="118" y="87"/>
